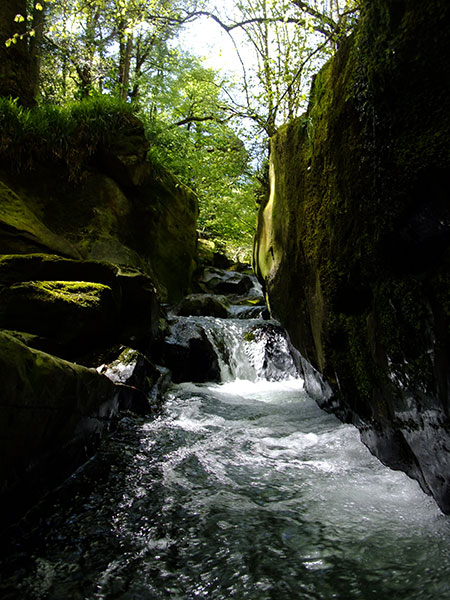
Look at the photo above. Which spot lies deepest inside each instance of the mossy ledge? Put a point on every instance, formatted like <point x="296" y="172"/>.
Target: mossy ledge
<point x="353" y="245"/>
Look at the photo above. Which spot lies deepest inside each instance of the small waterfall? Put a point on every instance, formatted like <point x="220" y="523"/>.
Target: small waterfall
<point x="250" y="349"/>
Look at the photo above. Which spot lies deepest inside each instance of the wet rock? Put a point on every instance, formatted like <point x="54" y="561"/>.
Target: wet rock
<point x="188" y="353"/>
<point x="134" y="370"/>
<point x="277" y="361"/>
<point x="248" y="312"/>
<point x="203" y="305"/>
<point x="225" y="282"/>
<point x="353" y="244"/>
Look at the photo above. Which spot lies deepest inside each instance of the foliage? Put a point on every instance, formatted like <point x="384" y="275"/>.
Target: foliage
<point x="103" y="46"/>
<point x="68" y="134"/>
<point x="280" y="46"/>
<point x="190" y="134"/>
<point x="198" y="122"/>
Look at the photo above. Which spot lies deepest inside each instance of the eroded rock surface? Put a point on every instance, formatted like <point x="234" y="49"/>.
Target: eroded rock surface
<point x="53" y="414"/>
<point x="353" y="243"/>
<point x="87" y="252"/>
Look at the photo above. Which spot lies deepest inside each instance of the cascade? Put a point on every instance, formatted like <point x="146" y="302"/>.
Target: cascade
<point x="251" y="349"/>
<point x="241" y="488"/>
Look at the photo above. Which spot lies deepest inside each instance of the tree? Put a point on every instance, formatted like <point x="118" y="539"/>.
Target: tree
<point x="21" y="31"/>
<point x="289" y="40"/>
<point x="100" y="46"/>
<point x="192" y="133"/>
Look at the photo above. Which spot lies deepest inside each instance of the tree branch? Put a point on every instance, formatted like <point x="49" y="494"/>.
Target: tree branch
<point x="305" y="7"/>
<point x="201" y="119"/>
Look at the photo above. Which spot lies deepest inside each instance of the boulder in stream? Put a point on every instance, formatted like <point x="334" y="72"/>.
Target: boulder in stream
<point x="212" y="305"/>
<point x="226" y="282"/>
<point x="188" y="352"/>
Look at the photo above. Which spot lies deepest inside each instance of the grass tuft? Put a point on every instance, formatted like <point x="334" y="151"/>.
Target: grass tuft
<point x="69" y="134"/>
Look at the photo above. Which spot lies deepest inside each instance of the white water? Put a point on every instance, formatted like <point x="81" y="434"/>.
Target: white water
<point x="240" y="490"/>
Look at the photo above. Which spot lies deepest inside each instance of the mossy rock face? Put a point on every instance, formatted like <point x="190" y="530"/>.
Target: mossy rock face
<point x="65" y="311"/>
<point x="22" y="230"/>
<point x="49" y="408"/>
<point x="120" y="209"/>
<point x="77" y="305"/>
<point x="53" y="414"/>
<point x="353" y="244"/>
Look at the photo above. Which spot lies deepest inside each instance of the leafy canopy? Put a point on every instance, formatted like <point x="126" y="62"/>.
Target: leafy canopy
<point x="209" y="129"/>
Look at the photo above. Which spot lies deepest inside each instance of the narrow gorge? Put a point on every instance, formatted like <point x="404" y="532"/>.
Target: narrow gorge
<point x="175" y="423"/>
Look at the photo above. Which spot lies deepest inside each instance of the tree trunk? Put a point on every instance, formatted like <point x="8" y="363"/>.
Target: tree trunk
<point x="126" y="46"/>
<point x="16" y="62"/>
<point x="35" y="48"/>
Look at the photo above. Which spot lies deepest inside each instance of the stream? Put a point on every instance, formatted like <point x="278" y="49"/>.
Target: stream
<point x="239" y="489"/>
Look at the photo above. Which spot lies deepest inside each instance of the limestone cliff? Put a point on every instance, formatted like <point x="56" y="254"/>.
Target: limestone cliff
<point x="353" y="244"/>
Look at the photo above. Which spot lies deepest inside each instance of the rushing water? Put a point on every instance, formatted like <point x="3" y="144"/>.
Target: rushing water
<point x="240" y="490"/>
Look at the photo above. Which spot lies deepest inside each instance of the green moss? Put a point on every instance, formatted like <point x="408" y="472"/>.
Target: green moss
<point x="81" y="293"/>
<point x="63" y="311"/>
<point x="358" y="184"/>
<point x="30" y="233"/>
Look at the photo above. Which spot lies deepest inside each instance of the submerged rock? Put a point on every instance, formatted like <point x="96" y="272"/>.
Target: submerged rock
<point x="353" y="244"/>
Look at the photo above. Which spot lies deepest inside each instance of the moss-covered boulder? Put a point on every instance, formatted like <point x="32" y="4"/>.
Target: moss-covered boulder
<point x="68" y="312"/>
<point x="353" y="244"/>
<point x="53" y="413"/>
<point x="78" y="306"/>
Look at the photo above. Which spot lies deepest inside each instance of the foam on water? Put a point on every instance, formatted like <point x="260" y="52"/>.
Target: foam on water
<point x="242" y="490"/>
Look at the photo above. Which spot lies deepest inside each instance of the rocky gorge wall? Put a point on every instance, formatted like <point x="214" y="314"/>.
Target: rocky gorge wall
<point x="118" y="207"/>
<point x="84" y="265"/>
<point x="353" y="243"/>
